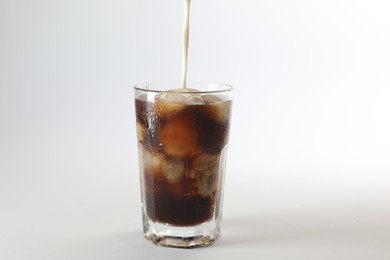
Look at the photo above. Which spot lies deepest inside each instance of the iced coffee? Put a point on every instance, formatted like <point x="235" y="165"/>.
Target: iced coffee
<point x="182" y="139"/>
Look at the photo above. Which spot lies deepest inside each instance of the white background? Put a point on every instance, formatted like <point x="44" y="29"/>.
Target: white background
<point x="309" y="155"/>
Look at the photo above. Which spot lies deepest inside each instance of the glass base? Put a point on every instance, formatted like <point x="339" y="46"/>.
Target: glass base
<point x="182" y="237"/>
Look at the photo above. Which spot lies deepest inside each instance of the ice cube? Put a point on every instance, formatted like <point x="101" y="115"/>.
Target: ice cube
<point x="204" y="171"/>
<point x="141" y="132"/>
<point x="173" y="101"/>
<point x="219" y="108"/>
<point x="180" y="95"/>
<point x="169" y="103"/>
<point x="173" y="170"/>
<point x="178" y="137"/>
<point x="212" y="98"/>
<point x="150" y="162"/>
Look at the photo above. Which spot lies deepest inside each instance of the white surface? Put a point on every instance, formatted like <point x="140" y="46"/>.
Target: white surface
<point x="308" y="168"/>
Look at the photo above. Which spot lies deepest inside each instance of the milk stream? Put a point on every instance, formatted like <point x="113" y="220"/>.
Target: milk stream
<point x="186" y="34"/>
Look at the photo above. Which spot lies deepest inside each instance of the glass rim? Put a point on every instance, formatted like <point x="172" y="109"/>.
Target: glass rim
<point x="143" y="86"/>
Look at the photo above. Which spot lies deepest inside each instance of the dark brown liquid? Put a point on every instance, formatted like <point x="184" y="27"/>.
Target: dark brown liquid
<point x="179" y="210"/>
<point x="182" y="145"/>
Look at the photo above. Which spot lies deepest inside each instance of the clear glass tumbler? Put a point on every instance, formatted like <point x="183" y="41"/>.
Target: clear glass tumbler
<point x="182" y="148"/>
